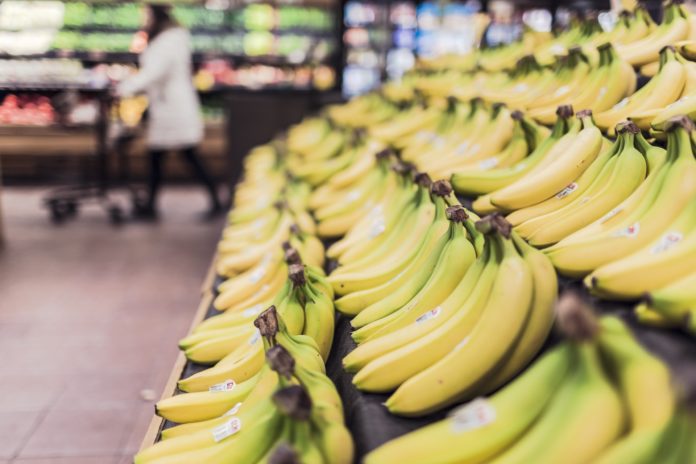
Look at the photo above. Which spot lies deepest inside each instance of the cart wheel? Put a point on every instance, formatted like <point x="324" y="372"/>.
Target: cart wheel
<point x="116" y="214"/>
<point x="71" y="208"/>
<point x="57" y="214"/>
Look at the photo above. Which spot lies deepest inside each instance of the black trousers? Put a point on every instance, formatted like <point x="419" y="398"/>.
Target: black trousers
<point x="191" y="156"/>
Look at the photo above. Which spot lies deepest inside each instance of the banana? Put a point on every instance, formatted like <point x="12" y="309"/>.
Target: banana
<point x="479" y="430"/>
<point x="569" y="419"/>
<point x="545" y="182"/>
<point x="406" y="123"/>
<point x="615" y="182"/>
<point x="484" y="182"/>
<point x="661" y="262"/>
<point x="579" y="255"/>
<point x="460" y="309"/>
<point x="487" y="143"/>
<point x="201" y="406"/>
<point x="662" y="90"/>
<point x="302" y="137"/>
<point x="240" y="365"/>
<point x="409" y="283"/>
<point x="540" y="321"/>
<point x="673" y="29"/>
<point x="645" y="385"/>
<point x="449" y="270"/>
<point x="319" y="319"/>
<point x="676" y="302"/>
<point x="524" y="219"/>
<point x="481" y="350"/>
<point x="686" y="105"/>
<point x="203" y="440"/>
<point x="345" y="281"/>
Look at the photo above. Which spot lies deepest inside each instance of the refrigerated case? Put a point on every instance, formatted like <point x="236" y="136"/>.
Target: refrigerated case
<point x="379" y="41"/>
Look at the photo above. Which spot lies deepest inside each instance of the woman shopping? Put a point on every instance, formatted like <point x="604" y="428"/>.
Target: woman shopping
<point x="175" y="122"/>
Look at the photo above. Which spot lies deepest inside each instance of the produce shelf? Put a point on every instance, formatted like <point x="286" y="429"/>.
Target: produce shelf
<point x="369" y="421"/>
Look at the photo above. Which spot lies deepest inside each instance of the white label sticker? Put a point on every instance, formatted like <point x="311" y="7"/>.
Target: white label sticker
<point x="354" y="195"/>
<point x="564" y="89"/>
<point x="257" y="274"/>
<point x="377" y="229"/>
<point x="473" y="415"/>
<point x="227" y="429"/>
<point x="567" y="191"/>
<point x="488" y="163"/>
<point x="234" y="410"/>
<point x="520" y="88"/>
<point x="426" y="136"/>
<point x="253" y="311"/>
<point x="258" y="224"/>
<point x="432" y="314"/>
<point x="584" y="200"/>
<point x="630" y="231"/>
<point x="667" y="241"/>
<point x="610" y="215"/>
<point x="601" y="92"/>
<point x="255" y="338"/>
<point x="461" y="148"/>
<point x="621" y="104"/>
<point x="226" y="386"/>
<point x="264" y="288"/>
<point x="439" y="142"/>
<point x="475" y="148"/>
<point x="520" y="166"/>
<point x="461" y="344"/>
<point x="681" y="100"/>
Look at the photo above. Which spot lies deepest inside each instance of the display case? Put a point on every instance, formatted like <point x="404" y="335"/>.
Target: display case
<point x="379" y="41"/>
<point x="292" y="45"/>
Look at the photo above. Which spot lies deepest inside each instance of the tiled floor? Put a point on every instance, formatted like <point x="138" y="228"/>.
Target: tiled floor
<point x="89" y="318"/>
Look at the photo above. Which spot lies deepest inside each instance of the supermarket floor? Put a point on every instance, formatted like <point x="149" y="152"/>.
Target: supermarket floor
<point x="89" y="319"/>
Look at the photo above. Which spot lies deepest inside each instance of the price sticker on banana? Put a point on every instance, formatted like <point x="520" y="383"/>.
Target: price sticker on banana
<point x="227" y="429"/>
<point x="432" y="314"/>
<point x="667" y="241"/>
<point x="473" y="415"/>
<point x="234" y="410"/>
<point x="226" y="386"/>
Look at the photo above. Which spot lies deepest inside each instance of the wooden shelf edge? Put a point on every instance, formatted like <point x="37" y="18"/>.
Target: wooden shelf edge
<point x="170" y="387"/>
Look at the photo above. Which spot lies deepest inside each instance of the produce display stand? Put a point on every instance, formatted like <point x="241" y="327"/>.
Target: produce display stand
<point x="156" y="424"/>
<point x="369" y="421"/>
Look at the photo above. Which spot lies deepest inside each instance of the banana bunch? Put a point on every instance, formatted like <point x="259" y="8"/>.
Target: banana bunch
<point x="672" y="305"/>
<point x="451" y="133"/>
<point x="643" y="218"/>
<point x="564" y="163"/>
<point x="631" y="26"/>
<point x="685" y="105"/>
<point x="485" y="181"/>
<point x="364" y="279"/>
<point x="506" y="139"/>
<point x="526" y="137"/>
<point x="598" y="396"/>
<point x="420" y="349"/>
<point x="665" y="88"/>
<point x="674" y="28"/>
<point x="598" y="89"/>
<point x="271" y="207"/>
<point x="305" y="304"/>
<point x="319" y="166"/>
<point x="614" y="175"/>
<point x="362" y="111"/>
<point x="292" y="410"/>
<point x="356" y="193"/>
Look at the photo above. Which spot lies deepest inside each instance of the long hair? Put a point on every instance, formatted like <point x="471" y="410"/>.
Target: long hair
<point x="161" y="20"/>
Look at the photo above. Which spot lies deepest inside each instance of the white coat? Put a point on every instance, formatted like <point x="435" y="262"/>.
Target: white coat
<point x="165" y="76"/>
